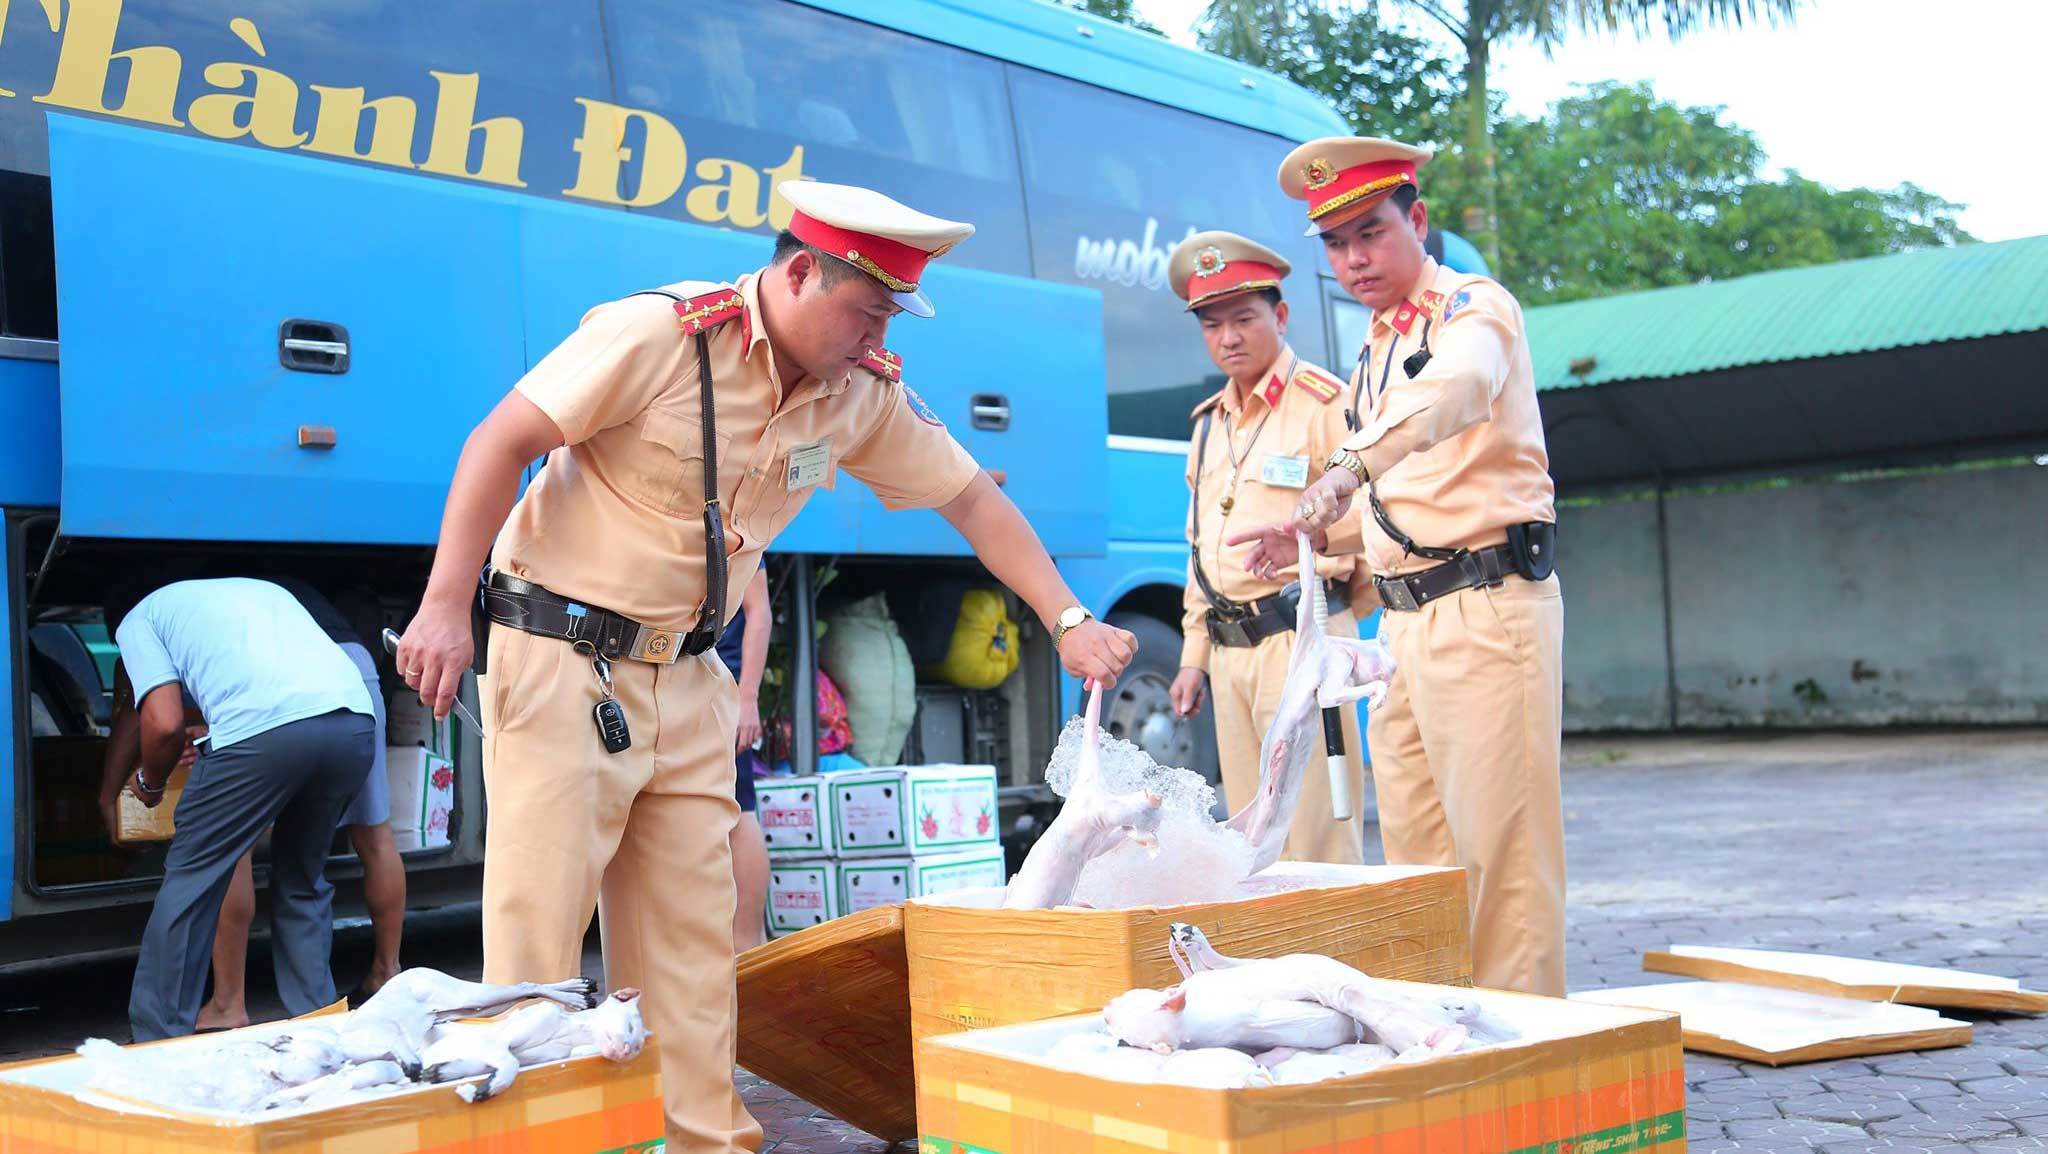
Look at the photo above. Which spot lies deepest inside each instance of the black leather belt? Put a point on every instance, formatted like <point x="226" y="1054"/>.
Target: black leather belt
<point x="1251" y="622"/>
<point x="530" y="608"/>
<point x="1492" y="566"/>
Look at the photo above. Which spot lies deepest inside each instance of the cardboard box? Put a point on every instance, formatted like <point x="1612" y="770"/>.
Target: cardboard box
<point x="408" y="722"/>
<point x="67" y="814"/>
<point x="580" y="1106"/>
<point x="1584" y="1077"/>
<point x="865" y="883"/>
<point x="1780" y="1027"/>
<point x="795" y="816"/>
<point x="957" y="959"/>
<point x="141" y="823"/>
<point x="801" y="895"/>
<point x="913" y="809"/>
<point x="422" y="795"/>
<point x="408" y="840"/>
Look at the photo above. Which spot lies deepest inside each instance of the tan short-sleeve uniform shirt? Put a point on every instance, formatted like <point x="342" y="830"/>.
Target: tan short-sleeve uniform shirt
<point x="615" y="517"/>
<point x="1456" y="451"/>
<point x="1264" y="446"/>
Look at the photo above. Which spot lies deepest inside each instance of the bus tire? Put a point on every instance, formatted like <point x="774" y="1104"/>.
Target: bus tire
<point x="1140" y="710"/>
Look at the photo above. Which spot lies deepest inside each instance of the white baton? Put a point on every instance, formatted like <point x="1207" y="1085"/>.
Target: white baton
<point x="1335" y="757"/>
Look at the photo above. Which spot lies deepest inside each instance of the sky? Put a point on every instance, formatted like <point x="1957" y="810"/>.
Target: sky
<point x="1951" y="96"/>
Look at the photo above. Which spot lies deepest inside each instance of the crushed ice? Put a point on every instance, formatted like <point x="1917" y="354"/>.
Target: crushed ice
<point x="1197" y="860"/>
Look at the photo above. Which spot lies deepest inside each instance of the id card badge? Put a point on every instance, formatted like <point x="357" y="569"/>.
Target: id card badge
<point x="1284" y="472"/>
<point x="809" y="465"/>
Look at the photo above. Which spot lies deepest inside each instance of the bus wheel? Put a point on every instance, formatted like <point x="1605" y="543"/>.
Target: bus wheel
<point x="1140" y="711"/>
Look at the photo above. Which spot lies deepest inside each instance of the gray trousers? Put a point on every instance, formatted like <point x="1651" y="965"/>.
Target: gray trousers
<point x="295" y="779"/>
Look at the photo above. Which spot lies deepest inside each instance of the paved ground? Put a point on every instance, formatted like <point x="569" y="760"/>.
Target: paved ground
<point x="1917" y="848"/>
<point x="1926" y="848"/>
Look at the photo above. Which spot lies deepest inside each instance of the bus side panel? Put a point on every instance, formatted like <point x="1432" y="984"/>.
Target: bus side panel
<point x="28" y="432"/>
<point x="1152" y="488"/>
<point x="1038" y="347"/>
<point x="178" y="262"/>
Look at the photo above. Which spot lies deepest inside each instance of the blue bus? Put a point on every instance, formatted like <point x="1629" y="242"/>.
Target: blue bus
<point x="263" y="264"/>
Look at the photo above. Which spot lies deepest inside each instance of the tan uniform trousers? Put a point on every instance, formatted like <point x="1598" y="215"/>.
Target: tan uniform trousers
<point x="639" y="836"/>
<point x="1465" y="761"/>
<point x="1245" y="684"/>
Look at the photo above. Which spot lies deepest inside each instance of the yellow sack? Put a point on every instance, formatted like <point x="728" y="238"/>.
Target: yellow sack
<point x="984" y="648"/>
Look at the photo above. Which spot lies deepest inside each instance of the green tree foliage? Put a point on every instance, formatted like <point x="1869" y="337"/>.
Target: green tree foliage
<point x="1382" y="80"/>
<point x="1615" y="190"/>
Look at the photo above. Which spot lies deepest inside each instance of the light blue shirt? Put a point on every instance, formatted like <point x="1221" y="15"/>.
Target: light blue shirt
<point x="247" y="651"/>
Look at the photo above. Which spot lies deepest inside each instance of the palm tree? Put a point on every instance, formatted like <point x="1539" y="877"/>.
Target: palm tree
<point x="1478" y="24"/>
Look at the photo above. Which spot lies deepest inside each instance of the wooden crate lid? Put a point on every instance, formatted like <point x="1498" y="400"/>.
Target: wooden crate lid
<point x="1778" y="1027"/>
<point x="1842" y="977"/>
<point x="825" y="1014"/>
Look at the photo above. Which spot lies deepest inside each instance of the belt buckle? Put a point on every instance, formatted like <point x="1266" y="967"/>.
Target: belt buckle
<point x="1395" y="593"/>
<point x="657" y="646"/>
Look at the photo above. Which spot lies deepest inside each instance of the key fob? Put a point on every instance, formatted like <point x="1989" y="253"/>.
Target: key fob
<point x="611" y="726"/>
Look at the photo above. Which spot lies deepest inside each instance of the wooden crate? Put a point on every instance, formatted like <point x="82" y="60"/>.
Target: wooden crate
<point x="973" y="966"/>
<point x="831" y="1013"/>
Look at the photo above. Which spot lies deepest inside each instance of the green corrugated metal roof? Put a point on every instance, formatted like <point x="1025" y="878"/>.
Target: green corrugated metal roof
<point x="1914" y="298"/>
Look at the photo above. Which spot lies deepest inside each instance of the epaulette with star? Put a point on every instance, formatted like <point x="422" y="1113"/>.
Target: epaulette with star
<point x="1317" y="383"/>
<point x="709" y="310"/>
<point x="884" y="364"/>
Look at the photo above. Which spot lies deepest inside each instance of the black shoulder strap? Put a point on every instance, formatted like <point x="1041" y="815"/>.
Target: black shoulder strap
<point x="711" y="620"/>
<point x="1354" y="419"/>
<point x="711" y="615"/>
<point x="1195" y="519"/>
<point x="1372" y="489"/>
<point x="1407" y="543"/>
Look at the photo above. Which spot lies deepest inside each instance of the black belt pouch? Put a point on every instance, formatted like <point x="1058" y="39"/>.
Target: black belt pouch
<point x="479" y="632"/>
<point x="1533" y="545"/>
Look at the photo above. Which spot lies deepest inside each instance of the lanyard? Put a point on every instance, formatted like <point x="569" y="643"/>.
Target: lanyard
<point x="1238" y="459"/>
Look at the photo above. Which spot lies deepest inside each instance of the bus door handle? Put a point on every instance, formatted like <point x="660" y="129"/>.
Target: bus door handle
<point x="991" y="412"/>
<point x="305" y="346"/>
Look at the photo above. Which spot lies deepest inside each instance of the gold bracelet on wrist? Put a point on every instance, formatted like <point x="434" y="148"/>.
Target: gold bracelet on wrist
<point x="1350" y="461"/>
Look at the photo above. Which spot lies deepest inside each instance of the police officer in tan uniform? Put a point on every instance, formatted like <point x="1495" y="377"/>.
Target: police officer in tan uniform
<point x="1255" y="447"/>
<point x="683" y="429"/>
<point x="1458" y="531"/>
